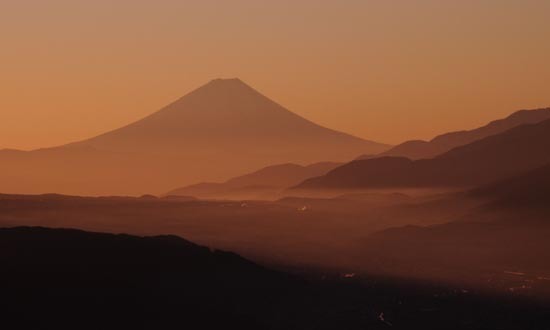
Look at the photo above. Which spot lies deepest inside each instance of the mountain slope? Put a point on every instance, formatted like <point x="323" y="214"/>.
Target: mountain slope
<point x="418" y="149"/>
<point x="61" y="278"/>
<point x="67" y="279"/>
<point x="268" y="180"/>
<point x="528" y="190"/>
<point x="506" y="236"/>
<point x="226" y="113"/>
<point x="217" y="131"/>
<point x="494" y="158"/>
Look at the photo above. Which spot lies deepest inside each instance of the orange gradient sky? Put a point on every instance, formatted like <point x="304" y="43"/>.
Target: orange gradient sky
<point x="382" y="70"/>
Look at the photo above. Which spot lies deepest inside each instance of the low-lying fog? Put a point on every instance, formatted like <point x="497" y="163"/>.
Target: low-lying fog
<point x="346" y="234"/>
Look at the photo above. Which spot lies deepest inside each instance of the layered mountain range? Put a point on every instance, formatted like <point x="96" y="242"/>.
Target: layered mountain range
<point x="418" y="149"/>
<point x="519" y="149"/>
<point x="267" y="182"/>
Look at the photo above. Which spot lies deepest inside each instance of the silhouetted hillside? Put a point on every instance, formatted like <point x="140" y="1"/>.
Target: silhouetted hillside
<point x="220" y="130"/>
<point x="530" y="190"/>
<point x="507" y="236"/>
<point x="62" y="277"/>
<point x="467" y="251"/>
<point x="266" y="182"/>
<point x="67" y="279"/>
<point x="493" y="158"/>
<point x="297" y="231"/>
<point x="418" y="149"/>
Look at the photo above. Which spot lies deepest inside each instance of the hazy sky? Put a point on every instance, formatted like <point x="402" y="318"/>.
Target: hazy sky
<point x="382" y="70"/>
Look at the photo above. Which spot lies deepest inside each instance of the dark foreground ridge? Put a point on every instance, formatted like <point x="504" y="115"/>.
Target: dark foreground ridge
<point x="79" y="280"/>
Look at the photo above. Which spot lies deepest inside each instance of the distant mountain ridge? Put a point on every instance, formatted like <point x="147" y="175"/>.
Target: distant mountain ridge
<point x="418" y="149"/>
<point x="496" y="157"/>
<point x="217" y="131"/>
<point x="268" y="180"/>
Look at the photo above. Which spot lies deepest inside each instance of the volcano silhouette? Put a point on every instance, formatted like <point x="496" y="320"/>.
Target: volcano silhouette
<point x="222" y="129"/>
<point x="227" y="113"/>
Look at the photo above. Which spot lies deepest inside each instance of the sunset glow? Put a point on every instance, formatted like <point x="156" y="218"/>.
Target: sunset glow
<point x="387" y="71"/>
